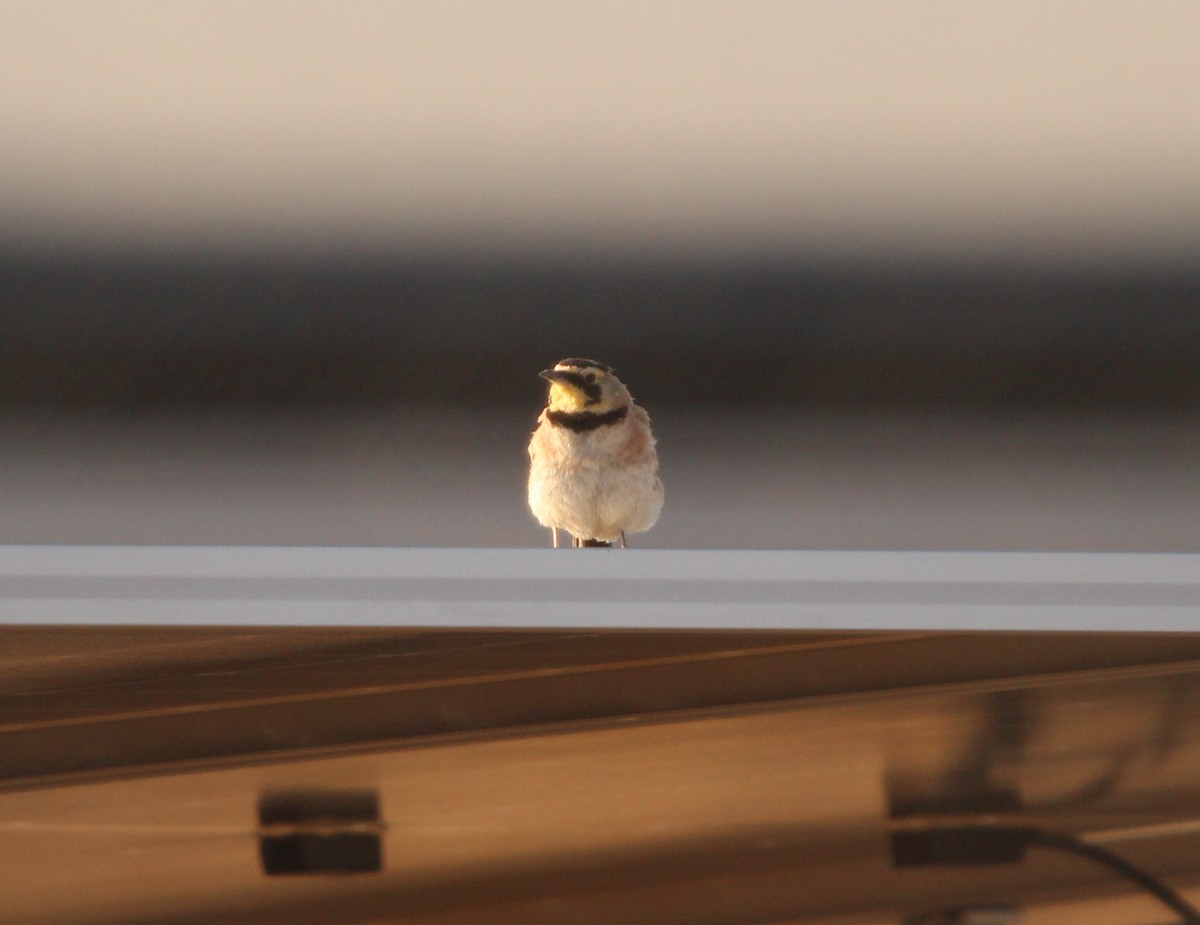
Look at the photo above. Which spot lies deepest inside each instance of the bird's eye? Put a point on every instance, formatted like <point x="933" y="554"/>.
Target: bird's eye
<point x="591" y="377"/>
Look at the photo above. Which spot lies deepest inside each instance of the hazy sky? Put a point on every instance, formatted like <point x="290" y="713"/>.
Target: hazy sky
<point x="1038" y="128"/>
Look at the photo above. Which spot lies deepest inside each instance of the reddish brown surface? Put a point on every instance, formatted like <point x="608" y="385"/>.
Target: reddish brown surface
<point x="546" y="777"/>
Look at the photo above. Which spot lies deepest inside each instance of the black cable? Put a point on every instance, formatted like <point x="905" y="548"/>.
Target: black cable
<point x="986" y="844"/>
<point x="1115" y="862"/>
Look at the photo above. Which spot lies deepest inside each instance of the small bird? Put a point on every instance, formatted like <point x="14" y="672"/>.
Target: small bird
<point x="593" y="468"/>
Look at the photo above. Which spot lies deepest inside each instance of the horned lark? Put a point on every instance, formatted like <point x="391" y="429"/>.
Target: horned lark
<point x="593" y="468"/>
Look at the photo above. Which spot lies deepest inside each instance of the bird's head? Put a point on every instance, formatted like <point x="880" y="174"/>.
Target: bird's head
<point x="584" y="385"/>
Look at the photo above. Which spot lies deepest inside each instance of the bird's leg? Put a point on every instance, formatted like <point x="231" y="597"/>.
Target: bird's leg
<point x="624" y="545"/>
<point x="554" y="536"/>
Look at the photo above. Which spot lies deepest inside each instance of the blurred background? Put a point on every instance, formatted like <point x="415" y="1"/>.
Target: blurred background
<point x="920" y="275"/>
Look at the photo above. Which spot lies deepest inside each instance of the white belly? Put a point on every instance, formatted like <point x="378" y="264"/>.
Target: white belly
<point x="595" y="499"/>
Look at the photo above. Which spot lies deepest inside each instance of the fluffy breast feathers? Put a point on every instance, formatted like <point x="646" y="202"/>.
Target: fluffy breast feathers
<point x="595" y="482"/>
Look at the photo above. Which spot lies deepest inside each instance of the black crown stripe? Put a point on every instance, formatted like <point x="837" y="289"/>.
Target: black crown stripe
<point x="581" y="363"/>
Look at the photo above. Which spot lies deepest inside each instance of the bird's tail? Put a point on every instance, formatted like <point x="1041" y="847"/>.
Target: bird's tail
<point x="600" y="543"/>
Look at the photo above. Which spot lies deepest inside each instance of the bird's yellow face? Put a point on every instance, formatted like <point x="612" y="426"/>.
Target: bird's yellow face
<point x="584" y="385"/>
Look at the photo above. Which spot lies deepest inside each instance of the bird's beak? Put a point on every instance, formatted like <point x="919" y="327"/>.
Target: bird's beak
<point x="554" y="375"/>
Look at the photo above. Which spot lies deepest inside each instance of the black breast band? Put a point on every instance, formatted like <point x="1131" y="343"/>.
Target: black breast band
<point x="583" y="421"/>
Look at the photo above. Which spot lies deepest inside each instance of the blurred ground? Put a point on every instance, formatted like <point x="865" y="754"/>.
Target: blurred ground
<point x="424" y="475"/>
<point x="143" y="334"/>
